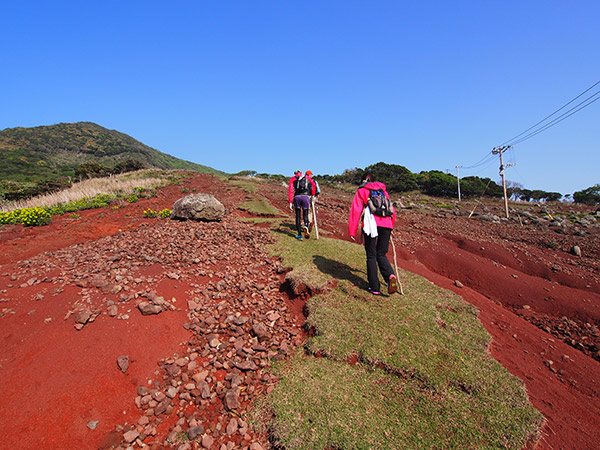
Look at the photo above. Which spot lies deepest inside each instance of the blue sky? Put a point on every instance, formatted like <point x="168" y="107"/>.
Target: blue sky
<point x="275" y="86"/>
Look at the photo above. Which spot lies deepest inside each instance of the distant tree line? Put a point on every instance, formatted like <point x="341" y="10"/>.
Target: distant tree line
<point x="436" y="183"/>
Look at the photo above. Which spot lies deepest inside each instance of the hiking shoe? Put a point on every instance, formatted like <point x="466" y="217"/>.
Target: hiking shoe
<point x="374" y="292"/>
<point x="392" y="284"/>
<point x="299" y="237"/>
<point x="306" y="233"/>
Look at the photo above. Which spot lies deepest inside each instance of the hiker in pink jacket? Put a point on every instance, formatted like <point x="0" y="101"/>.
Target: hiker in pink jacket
<point x="376" y="242"/>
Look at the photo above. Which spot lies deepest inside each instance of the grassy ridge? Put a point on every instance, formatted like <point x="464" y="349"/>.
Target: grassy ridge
<point x="53" y="153"/>
<point x="424" y="378"/>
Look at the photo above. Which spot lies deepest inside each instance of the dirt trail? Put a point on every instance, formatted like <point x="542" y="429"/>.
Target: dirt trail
<point x="540" y="305"/>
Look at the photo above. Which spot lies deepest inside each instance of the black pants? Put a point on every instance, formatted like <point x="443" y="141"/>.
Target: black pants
<point x="376" y="249"/>
<point x="301" y="216"/>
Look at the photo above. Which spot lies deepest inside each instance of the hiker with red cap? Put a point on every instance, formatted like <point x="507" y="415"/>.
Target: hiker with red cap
<point x="372" y="206"/>
<point x="301" y="187"/>
<point x="318" y="190"/>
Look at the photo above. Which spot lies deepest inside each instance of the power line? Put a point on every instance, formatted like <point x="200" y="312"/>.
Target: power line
<point x="485" y="160"/>
<point x="555" y="121"/>
<point x="560" y="118"/>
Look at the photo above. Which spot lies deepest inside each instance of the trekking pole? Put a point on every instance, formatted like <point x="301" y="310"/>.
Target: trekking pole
<point x="396" y="266"/>
<point x="313" y="201"/>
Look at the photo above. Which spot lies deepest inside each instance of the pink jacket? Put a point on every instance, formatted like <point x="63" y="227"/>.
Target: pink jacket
<point x="312" y="186"/>
<point x="360" y="202"/>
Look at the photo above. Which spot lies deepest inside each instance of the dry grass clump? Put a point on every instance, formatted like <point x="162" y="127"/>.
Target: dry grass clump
<point x="122" y="184"/>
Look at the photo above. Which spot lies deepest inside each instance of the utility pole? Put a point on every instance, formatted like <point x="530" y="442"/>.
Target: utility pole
<point x="500" y="151"/>
<point x="458" y="180"/>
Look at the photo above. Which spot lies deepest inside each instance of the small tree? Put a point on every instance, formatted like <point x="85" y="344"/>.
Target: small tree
<point x="129" y="165"/>
<point x="91" y="169"/>
<point x="589" y="196"/>
<point x="553" y="196"/>
<point x="438" y="184"/>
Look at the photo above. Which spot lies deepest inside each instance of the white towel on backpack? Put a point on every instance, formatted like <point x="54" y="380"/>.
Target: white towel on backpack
<point x="369" y="224"/>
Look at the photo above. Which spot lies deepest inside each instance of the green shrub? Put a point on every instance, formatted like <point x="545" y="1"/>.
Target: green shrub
<point x="7" y="218"/>
<point x="56" y="210"/>
<point x="149" y="213"/>
<point x="165" y="213"/>
<point x="34" y="217"/>
<point x="101" y="200"/>
<point x="132" y="198"/>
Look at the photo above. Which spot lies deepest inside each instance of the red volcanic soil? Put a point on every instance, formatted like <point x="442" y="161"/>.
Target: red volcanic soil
<point x="70" y="295"/>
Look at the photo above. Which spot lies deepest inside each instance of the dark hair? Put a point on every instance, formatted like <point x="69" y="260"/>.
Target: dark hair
<point x="368" y="178"/>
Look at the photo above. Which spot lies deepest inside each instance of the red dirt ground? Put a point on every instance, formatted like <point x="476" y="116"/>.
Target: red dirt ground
<point x="539" y="304"/>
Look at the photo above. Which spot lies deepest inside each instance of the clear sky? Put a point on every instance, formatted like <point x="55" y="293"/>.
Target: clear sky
<point x="275" y="86"/>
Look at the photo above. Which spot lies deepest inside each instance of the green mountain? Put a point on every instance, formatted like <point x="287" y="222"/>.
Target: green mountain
<point x="50" y="154"/>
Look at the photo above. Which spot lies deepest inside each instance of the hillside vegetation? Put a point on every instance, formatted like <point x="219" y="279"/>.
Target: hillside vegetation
<point x="48" y="158"/>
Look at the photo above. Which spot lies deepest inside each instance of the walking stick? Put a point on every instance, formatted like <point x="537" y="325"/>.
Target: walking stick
<point x="313" y="201"/>
<point x="396" y="266"/>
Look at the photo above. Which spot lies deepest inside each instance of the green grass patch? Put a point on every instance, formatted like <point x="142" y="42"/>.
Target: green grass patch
<point x="254" y="204"/>
<point x="260" y="206"/>
<point x="424" y="377"/>
<point x="245" y="184"/>
<point x="274" y="220"/>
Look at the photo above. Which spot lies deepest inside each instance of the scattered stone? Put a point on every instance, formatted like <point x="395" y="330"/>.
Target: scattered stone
<point x="200" y="376"/>
<point x="232" y="426"/>
<point x="171" y="392"/>
<point x="458" y="284"/>
<point x="204" y="389"/>
<point x="123" y="363"/>
<point x="92" y="424"/>
<point x="83" y="316"/>
<point x="213" y="340"/>
<point x="231" y="400"/>
<point x="194" y="432"/>
<point x="162" y="406"/>
<point x="576" y="250"/>
<point x="149" y="308"/>
<point x="113" y="310"/>
<point x="273" y="316"/>
<point x="207" y="441"/>
<point x="260" y="330"/>
<point x="241" y="320"/>
<point x="246" y="365"/>
<point x="131" y="436"/>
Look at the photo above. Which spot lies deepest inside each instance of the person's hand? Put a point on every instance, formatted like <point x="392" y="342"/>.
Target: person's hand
<point x="291" y="206"/>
